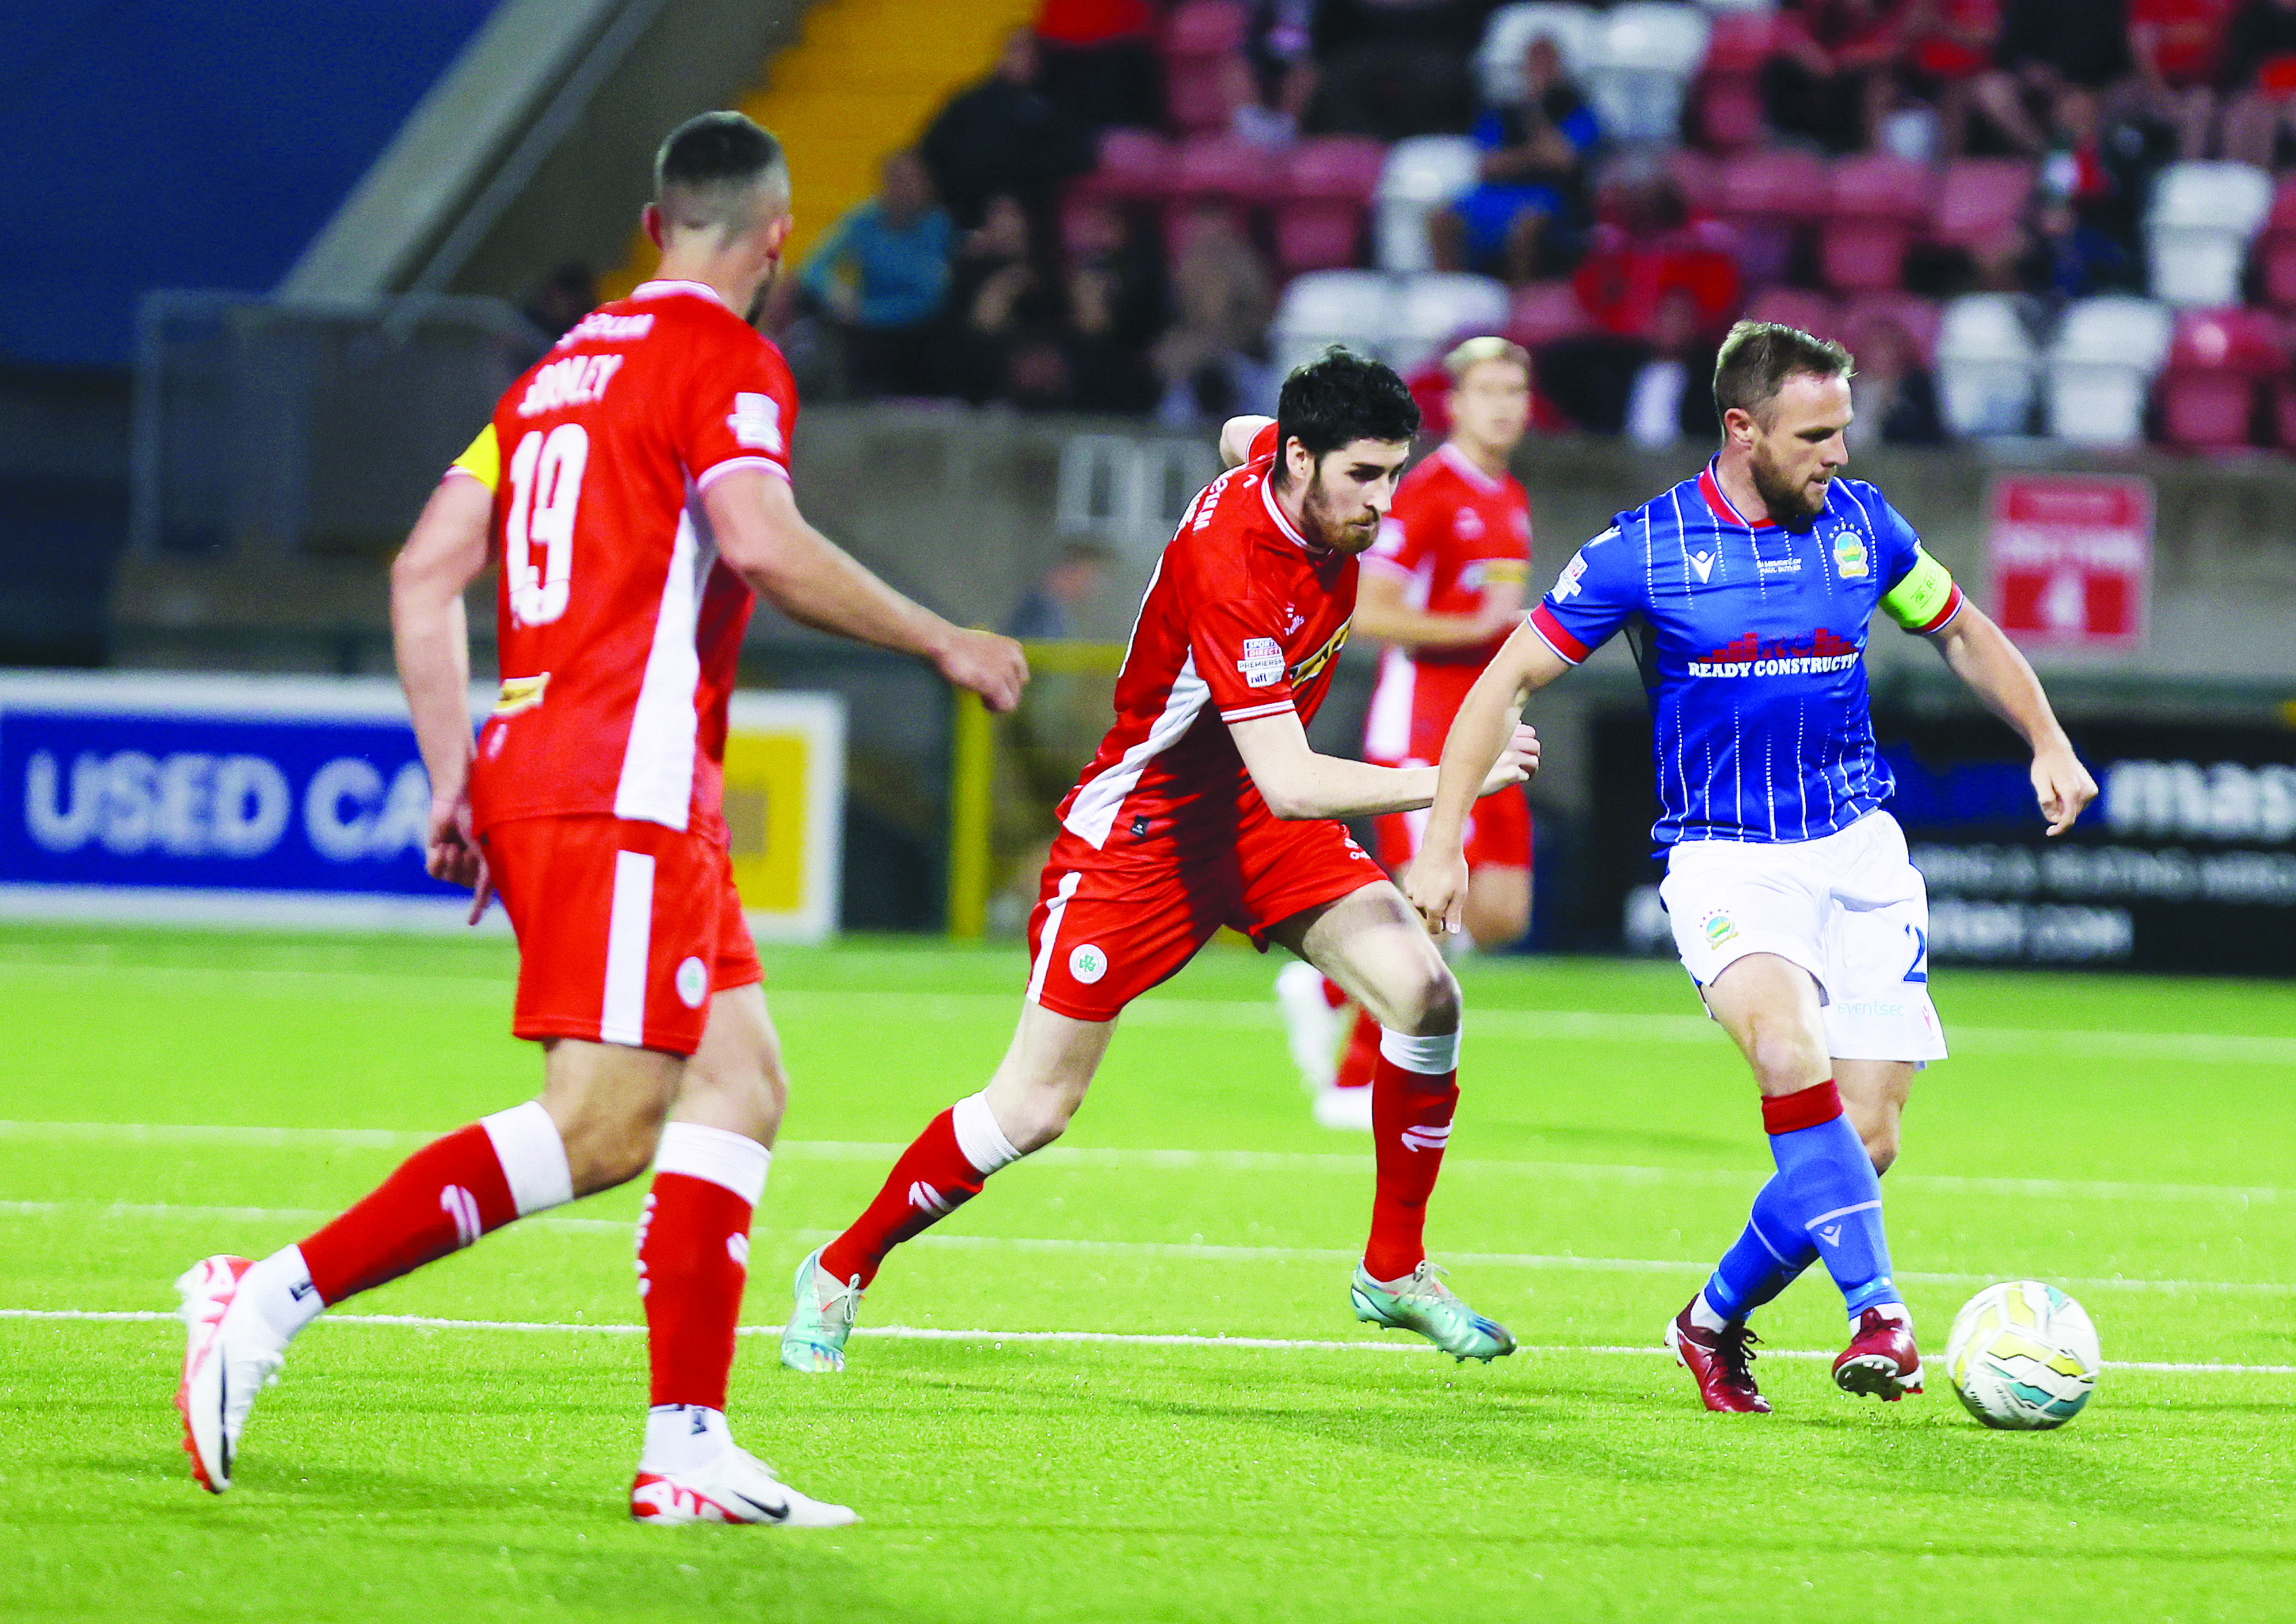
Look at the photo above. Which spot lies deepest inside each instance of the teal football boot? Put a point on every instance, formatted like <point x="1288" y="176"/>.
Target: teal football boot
<point x="820" y="1319"/>
<point x="1426" y="1305"/>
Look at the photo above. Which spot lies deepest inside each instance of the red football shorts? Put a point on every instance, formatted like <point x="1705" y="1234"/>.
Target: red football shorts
<point x="1109" y="925"/>
<point x="624" y="928"/>
<point x="1498" y="834"/>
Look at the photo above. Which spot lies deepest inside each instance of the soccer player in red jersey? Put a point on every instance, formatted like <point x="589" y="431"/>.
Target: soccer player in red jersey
<point x="635" y="486"/>
<point x="1205" y="806"/>
<point x="1442" y="587"/>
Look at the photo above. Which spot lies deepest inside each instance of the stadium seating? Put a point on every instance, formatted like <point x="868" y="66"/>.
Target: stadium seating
<point x="1200" y="38"/>
<point x="2101" y="366"/>
<point x="1772" y="197"/>
<point x="1499" y="59"/>
<point x="1325" y="187"/>
<point x="1984" y="366"/>
<point x="2202" y="219"/>
<point x="1133" y="164"/>
<point x="1639" y="58"/>
<point x="2276" y="251"/>
<point x="1544" y="311"/>
<point x="1797" y="308"/>
<point x="1728" y="103"/>
<point x="2217" y="361"/>
<point x="1916" y="317"/>
<point x="1697" y="177"/>
<point x="1353" y="307"/>
<point x="1878" y="204"/>
<point x="1435" y="308"/>
<point x="1420" y="175"/>
<point x="1979" y="198"/>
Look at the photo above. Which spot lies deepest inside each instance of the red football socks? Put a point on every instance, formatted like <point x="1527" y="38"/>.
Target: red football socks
<point x="441" y="1199"/>
<point x="693" y="1258"/>
<point x="1361" y="1059"/>
<point x="1414" y="1092"/>
<point x="941" y="1172"/>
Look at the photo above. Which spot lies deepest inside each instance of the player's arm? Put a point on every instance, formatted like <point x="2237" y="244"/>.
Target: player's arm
<point x="1236" y="435"/>
<point x="1489" y="718"/>
<point x="813" y="580"/>
<point x="1298" y="783"/>
<point x="1381" y="611"/>
<point x="430" y="635"/>
<point x="1981" y="655"/>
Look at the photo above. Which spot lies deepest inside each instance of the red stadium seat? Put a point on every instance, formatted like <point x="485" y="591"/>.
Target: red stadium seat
<point x="1916" y="316"/>
<point x="1205" y="27"/>
<point x="1325" y="186"/>
<point x="1813" y="312"/>
<point x="1223" y="166"/>
<point x="1200" y="92"/>
<point x="1784" y="185"/>
<point x="1982" y="198"/>
<point x="1133" y="163"/>
<point x="1878" y="186"/>
<point x="2206" y="410"/>
<point x="1542" y="312"/>
<point x="2275" y="257"/>
<point x="2216" y="360"/>
<point x="2245" y="342"/>
<point x="1728" y="111"/>
<point x="1740" y="42"/>
<point x="1696" y="176"/>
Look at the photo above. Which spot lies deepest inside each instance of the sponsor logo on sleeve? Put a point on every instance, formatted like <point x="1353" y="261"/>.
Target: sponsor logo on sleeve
<point x="757" y="421"/>
<point x="1566" y="586"/>
<point x="1262" y="664"/>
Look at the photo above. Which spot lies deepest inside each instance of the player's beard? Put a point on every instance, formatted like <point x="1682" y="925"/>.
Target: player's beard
<point x="1788" y="501"/>
<point x="1326" y="530"/>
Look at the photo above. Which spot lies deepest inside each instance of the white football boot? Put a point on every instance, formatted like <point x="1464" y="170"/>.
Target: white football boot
<point x="228" y="1358"/>
<point x="734" y="1486"/>
<point x="1311" y="1025"/>
<point x="1344" y="1108"/>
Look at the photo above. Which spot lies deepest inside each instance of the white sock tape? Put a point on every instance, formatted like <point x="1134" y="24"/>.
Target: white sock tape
<point x="731" y="1160"/>
<point x="983" y="1143"/>
<point x="533" y="1157"/>
<point x="1429" y="1057"/>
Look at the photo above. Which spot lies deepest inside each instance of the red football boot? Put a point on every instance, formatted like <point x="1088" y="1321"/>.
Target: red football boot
<point x="1880" y="1359"/>
<point x="1722" y="1361"/>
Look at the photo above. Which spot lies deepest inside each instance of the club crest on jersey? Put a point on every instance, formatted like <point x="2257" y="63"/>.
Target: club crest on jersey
<point x="1467" y="524"/>
<point x="1262" y="664"/>
<point x="1849" y="557"/>
<point x="1314" y="663"/>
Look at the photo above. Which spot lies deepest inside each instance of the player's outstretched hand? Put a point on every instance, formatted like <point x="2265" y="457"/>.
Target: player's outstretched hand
<point x="2063" y="785"/>
<point x="454" y="854"/>
<point x="992" y="666"/>
<point x="1437" y="888"/>
<point x="1519" y="761"/>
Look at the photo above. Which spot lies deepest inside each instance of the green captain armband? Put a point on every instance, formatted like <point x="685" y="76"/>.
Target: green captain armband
<point x="1926" y="598"/>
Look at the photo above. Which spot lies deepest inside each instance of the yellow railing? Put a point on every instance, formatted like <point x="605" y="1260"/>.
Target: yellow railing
<point x="972" y="779"/>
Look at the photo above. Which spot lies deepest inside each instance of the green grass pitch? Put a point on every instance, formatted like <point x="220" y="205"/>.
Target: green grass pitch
<point x="2132" y="1140"/>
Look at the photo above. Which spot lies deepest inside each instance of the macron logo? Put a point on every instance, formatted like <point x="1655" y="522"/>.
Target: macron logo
<point x="925" y="1199"/>
<point x="1427" y="1138"/>
<point x="1703" y="563"/>
<point x="1830" y="1234"/>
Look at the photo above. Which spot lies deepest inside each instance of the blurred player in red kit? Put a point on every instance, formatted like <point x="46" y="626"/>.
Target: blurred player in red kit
<point x="635" y="488"/>
<point x="1442" y="588"/>
<point x="1206" y="807"/>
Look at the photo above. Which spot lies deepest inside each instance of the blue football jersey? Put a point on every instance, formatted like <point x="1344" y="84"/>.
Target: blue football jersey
<point x="1752" y="641"/>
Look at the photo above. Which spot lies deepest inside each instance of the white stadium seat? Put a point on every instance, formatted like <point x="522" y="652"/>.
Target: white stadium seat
<point x="1639" y="59"/>
<point x="2197" y="231"/>
<point x="1436" y="306"/>
<point x="1499" y="59"/>
<point x="1352" y="307"/>
<point x="2101" y="367"/>
<point x="1422" y="174"/>
<point x="1984" y="366"/>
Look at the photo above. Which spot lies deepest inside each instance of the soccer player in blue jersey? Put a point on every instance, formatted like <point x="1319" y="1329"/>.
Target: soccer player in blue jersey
<point x="1795" y="909"/>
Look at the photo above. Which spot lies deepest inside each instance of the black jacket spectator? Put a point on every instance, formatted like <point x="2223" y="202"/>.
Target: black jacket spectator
<point x="2086" y="42"/>
<point x="1003" y="135"/>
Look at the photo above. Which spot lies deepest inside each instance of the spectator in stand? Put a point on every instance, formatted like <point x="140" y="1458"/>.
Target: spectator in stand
<point x="2178" y="48"/>
<point x="566" y="296"/>
<point x="1098" y="64"/>
<point x="1282" y="48"/>
<point x="1396" y="68"/>
<point x="1003" y="312"/>
<point x="1834" y="72"/>
<point x="1645" y="245"/>
<point x="2057" y="61"/>
<point x="1046" y="612"/>
<point x="1672" y="396"/>
<point x="1950" y="48"/>
<point x="881" y="273"/>
<point x="1517" y="220"/>
<point x="2062" y="256"/>
<point x="1892" y="394"/>
<point x="1003" y="138"/>
<point x="1213" y="360"/>
<point x="2259" y="80"/>
<point x="1256" y="119"/>
<point x="1116" y="308"/>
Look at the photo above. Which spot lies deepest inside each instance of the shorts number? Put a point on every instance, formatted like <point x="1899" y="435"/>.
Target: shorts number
<point x="1919" y="970"/>
<point x="546" y="485"/>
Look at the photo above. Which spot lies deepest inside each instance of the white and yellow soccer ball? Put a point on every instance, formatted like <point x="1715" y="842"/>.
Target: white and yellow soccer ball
<point x="2023" y="1356"/>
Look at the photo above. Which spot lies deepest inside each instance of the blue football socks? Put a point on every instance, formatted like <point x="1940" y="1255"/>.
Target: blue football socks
<point x="1763" y="1260"/>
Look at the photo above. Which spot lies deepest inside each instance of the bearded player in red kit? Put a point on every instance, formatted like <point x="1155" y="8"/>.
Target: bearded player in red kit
<point x="634" y="486"/>
<point x="1206" y="807"/>
<point x="1442" y="587"/>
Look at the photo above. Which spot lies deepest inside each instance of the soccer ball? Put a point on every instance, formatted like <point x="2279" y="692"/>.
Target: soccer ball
<point x="2023" y="1356"/>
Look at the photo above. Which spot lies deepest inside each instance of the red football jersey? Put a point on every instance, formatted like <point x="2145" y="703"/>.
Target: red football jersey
<point x="619" y="628"/>
<point x="1454" y="531"/>
<point x="1243" y="619"/>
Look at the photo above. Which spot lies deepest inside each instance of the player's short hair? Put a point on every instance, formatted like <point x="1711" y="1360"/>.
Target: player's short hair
<point x="1757" y="359"/>
<point x="1473" y="352"/>
<point x="705" y="169"/>
<point x="1337" y="399"/>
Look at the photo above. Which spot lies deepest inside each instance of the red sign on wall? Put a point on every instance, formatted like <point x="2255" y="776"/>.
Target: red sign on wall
<point x="2072" y="559"/>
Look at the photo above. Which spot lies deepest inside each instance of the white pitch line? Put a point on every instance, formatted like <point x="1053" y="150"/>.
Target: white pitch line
<point x="1224" y="1161"/>
<point x="1121" y="1338"/>
<point x="1554" y="1026"/>
<point x="1197" y="1251"/>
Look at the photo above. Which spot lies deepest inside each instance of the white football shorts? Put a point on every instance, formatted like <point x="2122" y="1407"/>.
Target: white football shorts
<point x="1850" y="907"/>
